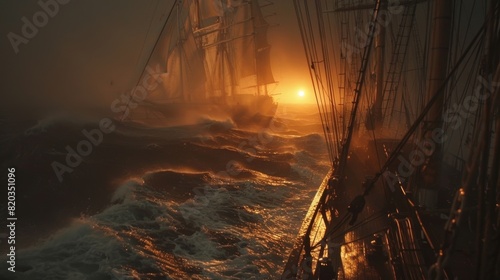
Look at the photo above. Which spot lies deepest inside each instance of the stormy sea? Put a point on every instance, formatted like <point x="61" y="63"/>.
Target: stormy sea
<point x="205" y="200"/>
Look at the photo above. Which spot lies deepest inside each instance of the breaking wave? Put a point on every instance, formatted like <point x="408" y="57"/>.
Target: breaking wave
<point x="200" y="201"/>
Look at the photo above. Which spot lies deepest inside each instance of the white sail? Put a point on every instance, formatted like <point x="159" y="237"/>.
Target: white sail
<point x="213" y="53"/>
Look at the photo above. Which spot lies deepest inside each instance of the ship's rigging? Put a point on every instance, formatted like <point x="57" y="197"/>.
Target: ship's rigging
<point x="325" y="29"/>
<point x="212" y="57"/>
<point x="225" y="40"/>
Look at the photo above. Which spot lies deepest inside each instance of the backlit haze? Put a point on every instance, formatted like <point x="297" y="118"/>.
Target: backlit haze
<point x="194" y="196"/>
<point x="89" y="52"/>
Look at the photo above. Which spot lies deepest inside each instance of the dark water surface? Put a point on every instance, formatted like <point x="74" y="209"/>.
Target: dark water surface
<point x="205" y="200"/>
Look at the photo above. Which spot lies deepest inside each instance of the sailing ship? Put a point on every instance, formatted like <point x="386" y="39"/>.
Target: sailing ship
<point x="213" y="59"/>
<point x="412" y="130"/>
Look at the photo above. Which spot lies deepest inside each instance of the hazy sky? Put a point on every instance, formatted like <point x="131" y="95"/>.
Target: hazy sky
<point x="91" y="51"/>
<point x="86" y="52"/>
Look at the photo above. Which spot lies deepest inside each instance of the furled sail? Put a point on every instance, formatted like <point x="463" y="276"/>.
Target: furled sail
<point x="252" y="49"/>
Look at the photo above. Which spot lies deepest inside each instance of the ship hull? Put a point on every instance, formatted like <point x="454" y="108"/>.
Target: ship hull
<point x="252" y="110"/>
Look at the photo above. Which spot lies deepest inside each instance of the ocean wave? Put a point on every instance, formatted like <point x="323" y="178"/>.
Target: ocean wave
<point x="200" y="201"/>
<point x="145" y="235"/>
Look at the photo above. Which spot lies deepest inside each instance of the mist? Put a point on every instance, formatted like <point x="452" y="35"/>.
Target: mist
<point x="84" y="56"/>
<point x="87" y="53"/>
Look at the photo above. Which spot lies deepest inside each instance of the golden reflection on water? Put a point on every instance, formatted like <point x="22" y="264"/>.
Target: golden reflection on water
<point x="134" y="241"/>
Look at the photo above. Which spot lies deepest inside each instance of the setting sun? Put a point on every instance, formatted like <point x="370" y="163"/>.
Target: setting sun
<point x="296" y="93"/>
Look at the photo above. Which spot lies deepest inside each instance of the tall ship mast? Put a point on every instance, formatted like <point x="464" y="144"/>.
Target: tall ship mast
<point x="212" y="58"/>
<point x="408" y="94"/>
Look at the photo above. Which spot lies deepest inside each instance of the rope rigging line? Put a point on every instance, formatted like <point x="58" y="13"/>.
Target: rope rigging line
<point x="334" y="55"/>
<point x="357" y="204"/>
<point x="323" y="93"/>
<point x="328" y="72"/>
<point x="147" y="33"/>
<point x="150" y="55"/>
<point x="465" y="89"/>
<point x="317" y="87"/>
<point x="358" y="90"/>
<point x="329" y="234"/>
<point x="475" y="175"/>
<point x="371" y="119"/>
<point x="310" y="46"/>
<point x="334" y="229"/>
<point x="416" y="123"/>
